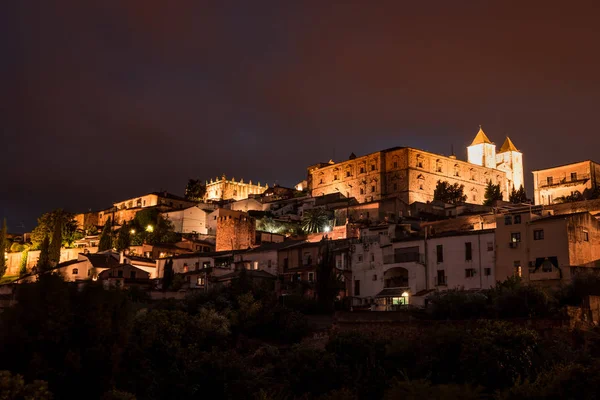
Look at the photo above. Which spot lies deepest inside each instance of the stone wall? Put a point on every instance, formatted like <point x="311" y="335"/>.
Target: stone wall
<point x="229" y="189"/>
<point x="235" y="230"/>
<point x="14" y="259"/>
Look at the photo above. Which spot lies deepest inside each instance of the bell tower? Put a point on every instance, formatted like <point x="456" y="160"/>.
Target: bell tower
<point x="510" y="159"/>
<point x="482" y="151"/>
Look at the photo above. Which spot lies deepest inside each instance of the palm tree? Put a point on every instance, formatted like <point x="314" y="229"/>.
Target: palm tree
<point x="316" y="220"/>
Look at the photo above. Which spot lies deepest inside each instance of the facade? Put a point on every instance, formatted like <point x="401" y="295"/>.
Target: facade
<point x="552" y="184"/>
<point x="544" y="248"/>
<point x="228" y="189"/>
<point x="412" y="174"/>
<point x="85" y="220"/>
<point x="189" y="220"/>
<point x="236" y="230"/>
<point x="392" y="267"/>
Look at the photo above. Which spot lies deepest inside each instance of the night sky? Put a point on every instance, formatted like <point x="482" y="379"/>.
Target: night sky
<point x="104" y="100"/>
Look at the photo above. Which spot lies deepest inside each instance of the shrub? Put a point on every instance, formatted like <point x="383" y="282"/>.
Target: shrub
<point x="458" y="304"/>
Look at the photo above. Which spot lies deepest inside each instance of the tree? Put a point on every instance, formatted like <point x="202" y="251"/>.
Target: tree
<point x="450" y="194"/>
<point x="45" y="228"/>
<point x="492" y="193"/>
<point x="195" y="190"/>
<point x="327" y="282"/>
<point x="23" y="263"/>
<point x="168" y="275"/>
<point x="55" y="243"/>
<point x="13" y="387"/>
<point x="105" y="242"/>
<point x="573" y="197"/>
<point x="316" y="220"/>
<point x="123" y="238"/>
<point x="518" y="196"/>
<point x="43" y="262"/>
<point x="2" y="249"/>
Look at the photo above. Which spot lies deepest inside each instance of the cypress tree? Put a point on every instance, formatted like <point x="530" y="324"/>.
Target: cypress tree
<point x="43" y="262"/>
<point x="23" y="264"/>
<point x="123" y="239"/>
<point x="168" y="275"/>
<point x="105" y="242"/>
<point x="3" y="249"/>
<point x="56" y="242"/>
<point x="492" y="193"/>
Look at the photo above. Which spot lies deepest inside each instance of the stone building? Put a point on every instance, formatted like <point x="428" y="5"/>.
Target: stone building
<point x="412" y="174"/>
<point x="555" y="183"/>
<point x="544" y="248"/>
<point x="235" y="230"/>
<point x="228" y="189"/>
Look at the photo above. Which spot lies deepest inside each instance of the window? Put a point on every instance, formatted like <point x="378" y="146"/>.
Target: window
<point x="456" y="170"/>
<point x="75" y="271"/>
<point x="321" y="181"/>
<point x="375" y="277"/>
<point x="469" y="273"/>
<point x="538" y="234"/>
<point x="362" y="191"/>
<point x="515" y="237"/>
<point x="255" y="264"/>
<point x="120" y="273"/>
<point x="573" y="176"/>
<point x="132" y="274"/>
<point x="348" y="175"/>
<point x="372" y="256"/>
<point x="586" y="236"/>
<point x="197" y="266"/>
<point x="441" y="277"/>
<point x="89" y="272"/>
<point x="200" y="281"/>
<point x="490" y="246"/>
<point x="335" y="177"/>
<point x="440" y="253"/>
<point x="395" y="164"/>
<point x="269" y="264"/>
<point x="468" y="251"/>
<point x="311" y="276"/>
<point x="395" y="186"/>
<point x="421" y="187"/>
<point x="356" y="287"/>
<point x="372" y="189"/>
<point x="549" y="180"/>
<point x="487" y="271"/>
<point x="185" y="267"/>
<point x="360" y="258"/>
<point x="517" y="219"/>
<point x="372" y="167"/>
<point x="362" y="170"/>
<point x="206" y="264"/>
<point x="438" y="166"/>
<point x="285" y="263"/>
<point x="508" y="220"/>
<point x="517" y="269"/>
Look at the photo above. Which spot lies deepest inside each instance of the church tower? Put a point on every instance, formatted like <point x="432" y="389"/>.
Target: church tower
<point x="510" y="160"/>
<point x="482" y="151"/>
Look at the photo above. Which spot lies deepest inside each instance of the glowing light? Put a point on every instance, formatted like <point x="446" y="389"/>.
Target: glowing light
<point x="149" y="228"/>
<point x="132" y="231"/>
<point x="405" y="294"/>
<point x="327" y="229"/>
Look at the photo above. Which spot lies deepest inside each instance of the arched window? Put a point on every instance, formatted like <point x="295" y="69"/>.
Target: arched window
<point x="438" y="165"/>
<point x="419" y="161"/>
<point x="456" y="170"/>
<point x="75" y="271"/>
<point x="472" y="173"/>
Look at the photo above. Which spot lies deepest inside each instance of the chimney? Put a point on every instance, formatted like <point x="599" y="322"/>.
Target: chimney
<point x="121" y="258"/>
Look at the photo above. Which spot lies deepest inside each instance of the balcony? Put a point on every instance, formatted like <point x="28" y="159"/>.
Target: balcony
<point x="418" y="258"/>
<point x="570" y="181"/>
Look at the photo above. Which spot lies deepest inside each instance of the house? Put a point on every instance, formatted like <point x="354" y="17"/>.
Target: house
<point x="543" y="248"/>
<point x="125" y="276"/>
<point x="189" y="220"/>
<point x="553" y="185"/>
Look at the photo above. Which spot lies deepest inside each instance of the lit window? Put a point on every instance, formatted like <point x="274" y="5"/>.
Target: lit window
<point x="517" y="269"/>
<point x="515" y="237"/>
<point x="200" y="281"/>
<point x="185" y="268"/>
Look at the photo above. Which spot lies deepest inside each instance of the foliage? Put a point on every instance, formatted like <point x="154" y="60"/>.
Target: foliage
<point x="268" y="224"/>
<point x="43" y="262"/>
<point x="327" y="283"/>
<point x="13" y="387"/>
<point x="450" y="194"/>
<point x="492" y="194"/>
<point x="23" y="262"/>
<point x="55" y="243"/>
<point x="195" y="190"/>
<point x="571" y="198"/>
<point x="518" y="196"/>
<point x="123" y="238"/>
<point x="581" y="286"/>
<point x="458" y="304"/>
<point x="151" y="228"/>
<point x="3" y="242"/>
<point x="316" y="220"/>
<point x="105" y="242"/>
<point x="17" y="247"/>
<point x="45" y="227"/>
<point x="423" y="389"/>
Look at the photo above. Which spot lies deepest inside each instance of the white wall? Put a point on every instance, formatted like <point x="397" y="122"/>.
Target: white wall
<point x="189" y="220"/>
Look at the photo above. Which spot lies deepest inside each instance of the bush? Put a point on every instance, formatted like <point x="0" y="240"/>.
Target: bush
<point x="458" y="304"/>
<point x="421" y="389"/>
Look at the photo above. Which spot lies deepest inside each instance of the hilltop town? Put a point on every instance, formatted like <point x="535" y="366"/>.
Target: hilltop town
<point x="396" y="225"/>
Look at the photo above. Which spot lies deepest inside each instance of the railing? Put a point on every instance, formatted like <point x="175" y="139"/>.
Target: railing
<point x="564" y="181"/>
<point x="404" y="258"/>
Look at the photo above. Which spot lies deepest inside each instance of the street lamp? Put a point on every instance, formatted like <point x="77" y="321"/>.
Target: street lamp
<point x="149" y="228"/>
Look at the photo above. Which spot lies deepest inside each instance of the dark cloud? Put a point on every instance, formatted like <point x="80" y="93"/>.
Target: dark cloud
<point x="104" y="100"/>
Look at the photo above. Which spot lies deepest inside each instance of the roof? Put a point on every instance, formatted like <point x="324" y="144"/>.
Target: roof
<point x="140" y="259"/>
<point x="204" y="254"/>
<point x="274" y="246"/>
<point x="481" y="138"/>
<point x="508" y="146"/>
<point x="105" y="260"/>
<point x="559" y="216"/>
<point x="167" y="195"/>
<point x="565" y="165"/>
